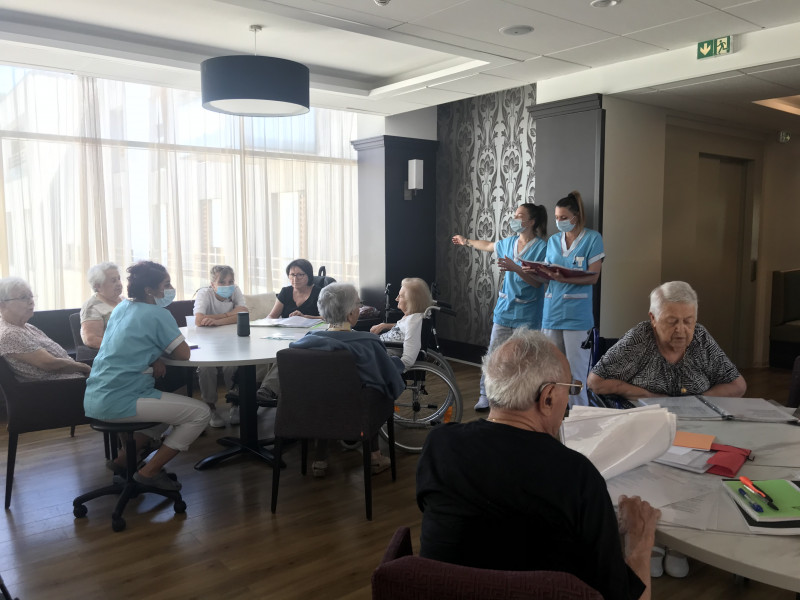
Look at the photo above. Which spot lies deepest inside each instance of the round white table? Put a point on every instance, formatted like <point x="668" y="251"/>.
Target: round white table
<point x="772" y="559"/>
<point x="220" y="347"/>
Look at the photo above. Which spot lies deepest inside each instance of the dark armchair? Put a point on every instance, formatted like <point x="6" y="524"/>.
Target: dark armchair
<point x="37" y="406"/>
<point x="403" y="576"/>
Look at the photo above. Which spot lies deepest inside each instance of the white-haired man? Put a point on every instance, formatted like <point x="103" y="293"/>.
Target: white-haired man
<point x="504" y="493"/>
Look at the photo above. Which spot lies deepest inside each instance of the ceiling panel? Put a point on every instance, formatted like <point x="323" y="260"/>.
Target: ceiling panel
<point x="477" y="84"/>
<point x="690" y="31"/>
<point x="429" y="96"/>
<point x="769" y="13"/>
<point x="537" y="69"/>
<point x="482" y="20"/>
<point x="786" y="76"/>
<point x="616" y="49"/>
<point x="626" y="17"/>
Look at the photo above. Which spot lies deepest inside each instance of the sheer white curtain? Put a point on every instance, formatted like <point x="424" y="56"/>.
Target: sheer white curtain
<point x="94" y="170"/>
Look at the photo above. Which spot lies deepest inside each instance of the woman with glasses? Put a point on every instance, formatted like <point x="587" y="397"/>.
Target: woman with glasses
<point x="300" y="298"/>
<point x="31" y="355"/>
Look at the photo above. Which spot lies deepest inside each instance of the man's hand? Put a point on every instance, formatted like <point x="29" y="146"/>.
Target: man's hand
<point x="637" y="524"/>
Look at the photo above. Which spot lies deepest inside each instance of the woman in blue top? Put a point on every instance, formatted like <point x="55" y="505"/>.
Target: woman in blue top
<point x="568" y="301"/>
<point x="519" y="302"/>
<point x="121" y="385"/>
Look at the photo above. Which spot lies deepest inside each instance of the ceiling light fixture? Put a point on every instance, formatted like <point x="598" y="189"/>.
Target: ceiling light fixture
<point x="516" y="30"/>
<point x="604" y="3"/>
<point x="254" y="86"/>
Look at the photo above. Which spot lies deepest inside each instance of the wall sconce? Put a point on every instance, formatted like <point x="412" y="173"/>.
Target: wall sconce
<point x="414" y="181"/>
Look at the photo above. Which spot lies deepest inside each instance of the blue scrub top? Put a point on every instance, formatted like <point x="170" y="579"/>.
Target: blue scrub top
<point x="518" y="303"/>
<point x="137" y="334"/>
<point x="569" y="305"/>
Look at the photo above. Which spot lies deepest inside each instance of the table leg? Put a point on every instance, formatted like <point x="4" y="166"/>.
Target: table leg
<point x="247" y="443"/>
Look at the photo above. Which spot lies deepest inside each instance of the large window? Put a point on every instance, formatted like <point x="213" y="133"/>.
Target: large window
<point x="94" y="170"/>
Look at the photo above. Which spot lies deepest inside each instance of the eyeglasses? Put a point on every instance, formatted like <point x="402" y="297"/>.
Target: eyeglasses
<point x="574" y="388"/>
<point x="23" y="298"/>
<point x="296" y="275"/>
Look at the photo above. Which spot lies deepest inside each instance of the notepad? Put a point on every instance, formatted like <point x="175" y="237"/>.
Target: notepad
<point x="545" y="270"/>
<point x="785" y="495"/>
<point x="287" y="322"/>
<point x="709" y="408"/>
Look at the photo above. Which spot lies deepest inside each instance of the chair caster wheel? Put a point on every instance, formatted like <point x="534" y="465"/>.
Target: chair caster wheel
<point x="180" y="507"/>
<point x="117" y="523"/>
<point x="80" y="511"/>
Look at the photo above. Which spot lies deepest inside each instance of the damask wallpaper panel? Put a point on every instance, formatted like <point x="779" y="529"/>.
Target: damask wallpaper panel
<point x="486" y="167"/>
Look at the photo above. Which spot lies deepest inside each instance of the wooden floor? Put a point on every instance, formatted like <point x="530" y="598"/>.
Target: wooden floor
<point x="228" y="545"/>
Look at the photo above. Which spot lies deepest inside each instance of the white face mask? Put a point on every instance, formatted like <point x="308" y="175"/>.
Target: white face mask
<point x="516" y="225"/>
<point x="566" y="225"/>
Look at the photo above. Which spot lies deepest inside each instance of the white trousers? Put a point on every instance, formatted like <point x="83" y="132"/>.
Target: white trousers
<point x="569" y="342"/>
<point x="208" y="381"/>
<point x="188" y="417"/>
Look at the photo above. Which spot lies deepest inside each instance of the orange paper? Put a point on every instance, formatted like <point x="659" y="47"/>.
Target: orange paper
<point x="687" y="439"/>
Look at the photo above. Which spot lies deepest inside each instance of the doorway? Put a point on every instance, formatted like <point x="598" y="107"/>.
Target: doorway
<point x="709" y="225"/>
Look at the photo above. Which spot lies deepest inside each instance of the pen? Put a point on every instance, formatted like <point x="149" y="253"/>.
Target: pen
<point x="756" y="507"/>
<point x="754" y="488"/>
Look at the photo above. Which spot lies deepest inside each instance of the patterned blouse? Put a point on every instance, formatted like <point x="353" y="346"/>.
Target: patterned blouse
<point x="635" y="359"/>
<point x="27" y="339"/>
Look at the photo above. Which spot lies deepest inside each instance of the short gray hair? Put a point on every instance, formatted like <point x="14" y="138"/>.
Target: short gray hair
<point x="9" y="284"/>
<point x="336" y="301"/>
<point x="671" y="292"/>
<point x="516" y="369"/>
<point x="97" y="274"/>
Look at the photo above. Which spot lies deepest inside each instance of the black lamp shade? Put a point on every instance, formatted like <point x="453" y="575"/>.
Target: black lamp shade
<point x="254" y="86"/>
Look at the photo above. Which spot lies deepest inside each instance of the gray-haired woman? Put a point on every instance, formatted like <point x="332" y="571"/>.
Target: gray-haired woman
<point x="339" y="306"/>
<point x="106" y="283"/>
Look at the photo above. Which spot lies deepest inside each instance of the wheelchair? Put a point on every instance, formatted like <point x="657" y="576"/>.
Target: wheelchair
<point x="431" y="396"/>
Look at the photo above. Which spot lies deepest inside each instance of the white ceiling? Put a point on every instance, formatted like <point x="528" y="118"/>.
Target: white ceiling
<point x="416" y="53"/>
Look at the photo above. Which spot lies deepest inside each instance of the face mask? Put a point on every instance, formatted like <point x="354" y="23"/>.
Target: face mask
<point x="516" y="225"/>
<point x="169" y="296"/>
<point x="565" y="225"/>
<point x="225" y="291"/>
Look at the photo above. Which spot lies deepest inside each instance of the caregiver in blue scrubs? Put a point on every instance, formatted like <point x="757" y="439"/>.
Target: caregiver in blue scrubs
<point x="520" y="300"/>
<point x="568" y="301"/>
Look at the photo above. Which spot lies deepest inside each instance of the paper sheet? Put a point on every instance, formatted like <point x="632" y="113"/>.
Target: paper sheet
<point x="690" y="439"/>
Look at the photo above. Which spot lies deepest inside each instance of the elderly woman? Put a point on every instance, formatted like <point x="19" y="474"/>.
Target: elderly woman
<point x="104" y="279"/>
<point x="121" y="387"/>
<point x="29" y="352"/>
<point x="412" y="299"/>
<point x="547" y="508"/>
<point x="300" y="298"/>
<point x="339" y="306"/>
<point x="215" y="305"/>
<point x="669" y="355"/>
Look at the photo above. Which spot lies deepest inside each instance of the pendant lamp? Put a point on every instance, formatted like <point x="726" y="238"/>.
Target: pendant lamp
<point x="254" y="86"/>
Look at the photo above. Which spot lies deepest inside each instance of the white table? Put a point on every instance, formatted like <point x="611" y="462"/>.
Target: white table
<point x="772" y="559"/>
<point x="221" y="347"/>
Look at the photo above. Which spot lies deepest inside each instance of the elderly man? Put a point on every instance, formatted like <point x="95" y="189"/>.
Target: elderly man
<point x="504" y="493"/>
<point x="669" y="355"/>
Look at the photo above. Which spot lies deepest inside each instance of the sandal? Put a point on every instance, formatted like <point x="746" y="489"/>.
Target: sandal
<point x="657" y="561"/>
<point x="319" y="468"/>
<point x="162" y="481"/>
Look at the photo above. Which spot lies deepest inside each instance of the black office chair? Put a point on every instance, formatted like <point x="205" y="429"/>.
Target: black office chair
<point x="322" y="397"/>
<point x="128" y="487"/>
<point x="83" y="353"/>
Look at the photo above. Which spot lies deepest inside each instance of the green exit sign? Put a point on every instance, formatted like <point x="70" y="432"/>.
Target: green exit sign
<point x="716" y="47"/>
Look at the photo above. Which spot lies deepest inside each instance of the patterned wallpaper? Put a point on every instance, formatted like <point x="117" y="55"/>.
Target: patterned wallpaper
<point x="485" y="169"/>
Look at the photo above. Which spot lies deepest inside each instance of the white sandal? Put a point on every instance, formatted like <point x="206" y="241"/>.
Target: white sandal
<point x="657" y="561"/>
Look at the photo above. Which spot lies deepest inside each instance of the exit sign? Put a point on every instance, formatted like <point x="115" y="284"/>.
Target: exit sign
<point x="715" y="47"/>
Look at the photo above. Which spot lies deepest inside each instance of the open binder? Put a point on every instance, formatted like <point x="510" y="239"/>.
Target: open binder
<point x="700" y="408"/>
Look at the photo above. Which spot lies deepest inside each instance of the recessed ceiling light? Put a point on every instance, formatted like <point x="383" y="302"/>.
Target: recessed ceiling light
<point x="604" y="3"/>
<point x="516" y="30"/>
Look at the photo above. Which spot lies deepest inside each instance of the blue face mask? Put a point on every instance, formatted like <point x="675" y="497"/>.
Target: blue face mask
<point x="169" y="296"/>
<point x="225" y="291"/>
<point x="565" y="225"/>
<point x="516" y="225"/>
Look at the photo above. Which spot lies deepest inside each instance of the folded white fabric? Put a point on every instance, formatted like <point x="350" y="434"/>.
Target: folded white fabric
<point x="617" y="441"/>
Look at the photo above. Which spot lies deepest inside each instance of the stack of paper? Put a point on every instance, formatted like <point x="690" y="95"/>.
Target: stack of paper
<point x="618" y="440"/>
<point x="689" y="451"/>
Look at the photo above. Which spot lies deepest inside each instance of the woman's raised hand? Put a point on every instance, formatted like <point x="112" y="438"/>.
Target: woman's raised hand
<point x="459" y="240"/>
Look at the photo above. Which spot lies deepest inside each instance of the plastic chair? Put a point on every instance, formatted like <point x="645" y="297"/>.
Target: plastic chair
<point x="128" y="487"/>
<point x="83" y="352"/>
<point x="38" y="406"/>
<point x="403" y="576"/>
<point x="322" y="397"/>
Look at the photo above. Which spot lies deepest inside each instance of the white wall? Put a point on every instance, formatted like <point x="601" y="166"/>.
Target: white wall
<point x="419" y="124"/>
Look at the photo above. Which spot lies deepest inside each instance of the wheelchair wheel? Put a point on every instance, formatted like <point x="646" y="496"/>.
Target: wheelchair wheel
<point x="440" y="361"/>
<point x="430" y="399"/>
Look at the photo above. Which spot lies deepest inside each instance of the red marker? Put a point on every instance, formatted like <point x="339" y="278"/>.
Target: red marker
<point x="753" y="487"/>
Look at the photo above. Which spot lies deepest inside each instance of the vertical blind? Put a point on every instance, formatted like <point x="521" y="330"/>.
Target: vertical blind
<point x="94" y="170"/>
